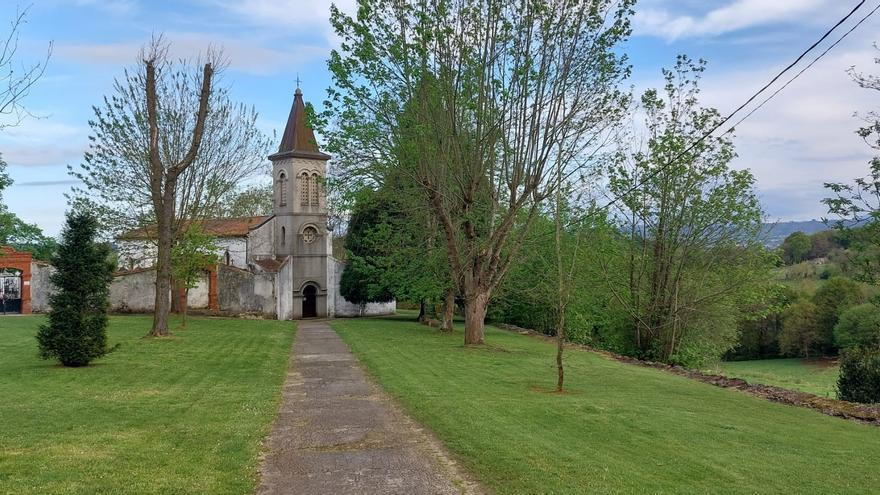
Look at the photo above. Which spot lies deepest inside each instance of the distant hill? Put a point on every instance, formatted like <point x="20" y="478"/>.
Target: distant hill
<point x="775" y="233"/>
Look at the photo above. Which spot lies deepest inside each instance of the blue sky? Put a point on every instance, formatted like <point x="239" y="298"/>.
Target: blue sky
<point x="800" y="140"/>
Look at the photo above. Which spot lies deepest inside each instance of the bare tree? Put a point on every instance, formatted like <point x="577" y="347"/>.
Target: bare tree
<point x="477" y="100"/>
<point x="17" y="79"/>
<point x="166" y="147"/>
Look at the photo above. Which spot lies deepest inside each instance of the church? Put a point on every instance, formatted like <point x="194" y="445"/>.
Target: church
<point x="279" y="265"/>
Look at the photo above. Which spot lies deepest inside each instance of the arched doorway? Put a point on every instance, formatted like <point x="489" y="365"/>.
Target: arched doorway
<point x="310" y="302"/>
<point x="10" y="290"/>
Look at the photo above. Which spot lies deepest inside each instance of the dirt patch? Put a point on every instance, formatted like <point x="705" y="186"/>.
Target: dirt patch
<point x="863" y="413"/>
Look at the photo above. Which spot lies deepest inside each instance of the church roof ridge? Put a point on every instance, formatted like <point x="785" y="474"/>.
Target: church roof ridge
<point x="298" y="139"/>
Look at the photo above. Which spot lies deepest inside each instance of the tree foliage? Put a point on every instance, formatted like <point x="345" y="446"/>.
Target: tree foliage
<point x="17" y="233"/>
<point x="831" y="299"/>
<point x="796" y="247"/>
<point x="801" y="333"/>
<point x="859" y="379"/>
<point x="165" y="148"/>
<point x="193" y="254"/>
<point x="76" y="332"/>
<point x="476" y="102"/>
<point x="692" y="223"/>
<point x="858" y="326"/>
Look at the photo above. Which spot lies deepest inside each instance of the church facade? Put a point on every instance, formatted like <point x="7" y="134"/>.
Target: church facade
<point x="279" y="265"/>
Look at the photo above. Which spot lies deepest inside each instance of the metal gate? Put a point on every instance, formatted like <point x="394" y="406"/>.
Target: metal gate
<point x="10" y="290"/>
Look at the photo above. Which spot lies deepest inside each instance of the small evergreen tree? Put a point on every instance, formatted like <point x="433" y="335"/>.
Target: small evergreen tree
<point x="77" y="330"/>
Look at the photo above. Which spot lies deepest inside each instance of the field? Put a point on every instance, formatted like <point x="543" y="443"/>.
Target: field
<point x="814" y="376"/>
<point x="184" y="414"/>
<point x="618" y="429"/>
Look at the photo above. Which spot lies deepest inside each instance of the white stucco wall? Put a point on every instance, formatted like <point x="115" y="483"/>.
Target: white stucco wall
<point x="343" y="309"/>
<point x="261" y="241"/>
<point x="198" y="295"/>
<point x="138" y="254"/>
<point x="284" y="292"/>
<point x="41" y="286"/>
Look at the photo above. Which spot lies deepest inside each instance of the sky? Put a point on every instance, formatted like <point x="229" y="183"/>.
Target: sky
<point x="801" y="139"/>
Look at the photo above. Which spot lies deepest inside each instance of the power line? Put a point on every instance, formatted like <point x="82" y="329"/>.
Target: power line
<point x="740" y="121"/>
<point x="702" y="138"/>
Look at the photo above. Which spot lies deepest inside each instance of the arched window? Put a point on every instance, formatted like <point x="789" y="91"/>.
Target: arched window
<point x="315" y="190"/>
<point x="304" y="189"/>
<point x="283" y="235"/>
<point x="282" y="186"/>
<point x="228" y="258"/>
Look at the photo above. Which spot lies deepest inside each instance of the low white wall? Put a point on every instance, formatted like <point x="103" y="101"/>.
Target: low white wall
<point x="345" y="309"/>
<point x="133" y="292"/>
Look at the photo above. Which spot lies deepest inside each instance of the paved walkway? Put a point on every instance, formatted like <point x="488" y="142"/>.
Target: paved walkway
<point x="339" y="433"/>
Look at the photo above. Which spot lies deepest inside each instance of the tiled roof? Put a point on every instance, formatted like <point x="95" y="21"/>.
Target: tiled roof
<point x="271" y="265"/>
<point x="298" y="139"/>
<point x="219" y="227"/>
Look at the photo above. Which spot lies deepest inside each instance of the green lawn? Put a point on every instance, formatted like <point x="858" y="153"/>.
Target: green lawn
<point x="795" y="374"/>
<point x="184" y="414"/>
<point x="620" y="429"/>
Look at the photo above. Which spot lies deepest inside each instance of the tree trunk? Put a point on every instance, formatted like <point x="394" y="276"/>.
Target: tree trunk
<point x="163" y="272"/>
<point x="474" y="318"/>
<point x="560" y="345"/>
<point x="448" y="311"/>
<point x="423" y="313"/>
<point x="185" y="304"/>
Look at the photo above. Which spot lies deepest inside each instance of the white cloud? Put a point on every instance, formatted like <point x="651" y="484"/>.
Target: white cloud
<point x="805" y="136"/>
<point x="41" y="142"/>
<point x="248" y="56"/>
<point x="287" y="13"/>
<point x="665" y="18"/>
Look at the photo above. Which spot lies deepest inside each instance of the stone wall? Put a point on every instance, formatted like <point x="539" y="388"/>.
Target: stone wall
<point x="41" y="286"/>
<point x="345" y="309"/>
<point x="133" y="292"/>
<point x="243" y="292"/>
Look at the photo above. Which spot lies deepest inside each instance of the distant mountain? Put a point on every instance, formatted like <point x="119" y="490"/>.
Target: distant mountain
<point x="775" y="233"/>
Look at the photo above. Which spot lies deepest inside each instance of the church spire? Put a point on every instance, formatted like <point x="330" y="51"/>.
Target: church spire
<point x="298" y="140"/>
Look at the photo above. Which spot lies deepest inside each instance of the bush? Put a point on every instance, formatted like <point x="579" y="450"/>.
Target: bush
<point x="858" y="326"/>
<point x="859" y="379"/>
<point x="77" y="329"/>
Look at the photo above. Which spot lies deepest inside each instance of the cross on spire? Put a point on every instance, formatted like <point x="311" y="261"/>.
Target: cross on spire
<point x="297" y="80"/>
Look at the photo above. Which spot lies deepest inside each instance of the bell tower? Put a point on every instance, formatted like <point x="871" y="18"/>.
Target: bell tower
<point x="299" y="169"/>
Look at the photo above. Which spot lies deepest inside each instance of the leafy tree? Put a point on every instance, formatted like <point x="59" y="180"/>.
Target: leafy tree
<point x="166" y="147"/>
<point x="801" y="334"/>
<point x="191" y="256"/>
<point x="859" y="326"/>
<point x="18" y="234"/>
<point x="76" y="333"/>
<point x="759" y="333"/>
<point x="476" y="102"/>
<point x="249" y="201"/>
<point x="796" y="247"/>
<point x="693" y="223"/>
<point x="391" y="254"/>
<point x="831" y="299"/>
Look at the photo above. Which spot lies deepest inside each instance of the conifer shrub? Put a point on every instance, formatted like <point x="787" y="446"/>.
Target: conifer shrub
<point x="76" y="332"/>
<point x="859" y="379"/>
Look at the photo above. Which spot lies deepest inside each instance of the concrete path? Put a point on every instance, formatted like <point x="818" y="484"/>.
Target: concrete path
<point x="338" y="433"/>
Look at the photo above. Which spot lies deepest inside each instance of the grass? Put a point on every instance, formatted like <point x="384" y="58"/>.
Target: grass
<point x="815" y="377"/>
<point x="184" y="414"/>
<point x="618" y="429"/>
